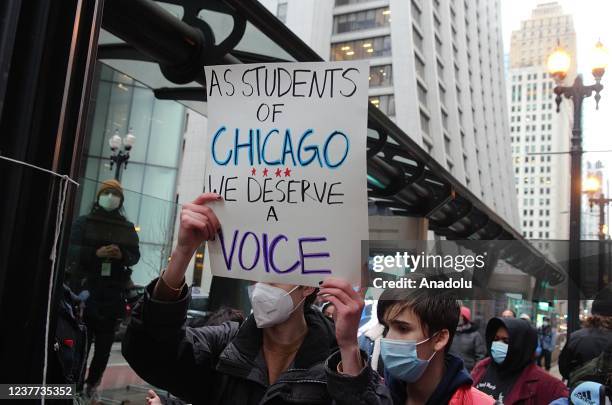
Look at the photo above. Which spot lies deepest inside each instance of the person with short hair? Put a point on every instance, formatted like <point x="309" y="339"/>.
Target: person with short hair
<point x="415" y="350"/>
<point x="508" y="313"/>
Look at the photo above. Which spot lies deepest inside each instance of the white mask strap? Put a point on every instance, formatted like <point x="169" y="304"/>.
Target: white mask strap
<point x="292" y="290"/>
<point x="429" y="338"/>
<point x="298" y="304"/>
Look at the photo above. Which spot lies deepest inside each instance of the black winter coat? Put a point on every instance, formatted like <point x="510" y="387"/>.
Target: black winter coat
<point x="583" y="345"/>
<point x="224" y="365"/>
<point x="89" y="233"/>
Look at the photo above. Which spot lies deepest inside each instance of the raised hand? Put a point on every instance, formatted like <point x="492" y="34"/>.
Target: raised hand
<point x="349" y="305"/>
<point x="198" y="223"/>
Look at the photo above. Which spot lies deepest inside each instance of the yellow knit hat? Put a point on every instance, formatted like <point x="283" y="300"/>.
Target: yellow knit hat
<point x="110" y="184"/>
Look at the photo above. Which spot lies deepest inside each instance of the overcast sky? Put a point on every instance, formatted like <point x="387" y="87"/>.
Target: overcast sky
<point x="592" y="21"/>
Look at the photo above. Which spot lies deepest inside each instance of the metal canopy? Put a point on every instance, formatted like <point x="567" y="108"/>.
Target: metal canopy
<point x="175" y="39"/>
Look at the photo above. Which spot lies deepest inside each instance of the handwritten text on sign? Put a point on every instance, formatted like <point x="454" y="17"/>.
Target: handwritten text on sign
<point x="287" y="151"/>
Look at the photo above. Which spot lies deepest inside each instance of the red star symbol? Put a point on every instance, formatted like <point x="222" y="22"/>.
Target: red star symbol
<point x="287" y="172"/>
<point x="265" y="172"/>
<point x="253" y="171"/>
<point x="278" y="172"/>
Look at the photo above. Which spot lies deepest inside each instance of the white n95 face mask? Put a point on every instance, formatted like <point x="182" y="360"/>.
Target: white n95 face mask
<point x="271" y="305"/>
<point x="109" y="202"/>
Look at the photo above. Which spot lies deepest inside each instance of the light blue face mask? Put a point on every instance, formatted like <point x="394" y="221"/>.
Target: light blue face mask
<point x="401" y="358"/>
<point x="499" y="350"/>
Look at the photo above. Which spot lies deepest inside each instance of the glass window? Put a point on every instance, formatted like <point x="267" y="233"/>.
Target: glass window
<point x="420" y="66"/>
<point x="140" y="122"/>
<point x="442" y="93"/>
<point x="381" y="76"/>
<point x="417" y="39"/>
<point x="416" y="12"/>
<point x="424" y="122"/>
<point x="422" y="93"/>
<point x="281" y="11"/>
<point x="121" y="105"/>
<point x="166" y="133"/>
<point x="361" y="49"/>
<point x="385" y="103"/>
<point x="345" y="2"/>
<point x="99" y="137"/>
<point x="438" y="44"/>
<point x="362" y="20"/>
<point x="440" y="68"/>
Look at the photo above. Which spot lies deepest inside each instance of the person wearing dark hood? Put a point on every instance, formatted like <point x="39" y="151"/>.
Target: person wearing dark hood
<point x="329" y="310"/>
<point x="510" y="374"/>
<point x="468" y="343"/>
<point x="418" y="367"/>
<point x="103" y="246"/>
<point x="589" y="342"/>
<point x="285" y="352"/>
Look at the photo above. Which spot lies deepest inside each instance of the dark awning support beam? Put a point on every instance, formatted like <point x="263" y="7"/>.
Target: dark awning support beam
<point x="179" y="48"/>
<point x="180" y="93"/>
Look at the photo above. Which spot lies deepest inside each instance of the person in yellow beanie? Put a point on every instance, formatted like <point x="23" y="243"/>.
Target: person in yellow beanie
<point x="110" y="195"/>
<point x="103" y="247"/>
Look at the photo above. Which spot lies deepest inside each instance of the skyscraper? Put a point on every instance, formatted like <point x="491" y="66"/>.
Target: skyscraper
<point x="436" y="68"/>
<point x="540" y="137"/>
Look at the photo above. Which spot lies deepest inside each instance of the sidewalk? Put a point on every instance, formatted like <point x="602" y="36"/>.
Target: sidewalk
<point x="120" y="384"/>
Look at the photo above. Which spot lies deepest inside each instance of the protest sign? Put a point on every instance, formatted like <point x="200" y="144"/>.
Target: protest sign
<point x="287" y="152"/>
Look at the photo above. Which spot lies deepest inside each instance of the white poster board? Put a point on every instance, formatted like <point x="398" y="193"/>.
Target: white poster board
<point x="287" y="152"/>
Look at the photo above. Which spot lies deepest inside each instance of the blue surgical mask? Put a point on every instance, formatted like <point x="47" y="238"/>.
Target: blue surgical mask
<point x="401" y="359"/>
<point x="499" y="351"/>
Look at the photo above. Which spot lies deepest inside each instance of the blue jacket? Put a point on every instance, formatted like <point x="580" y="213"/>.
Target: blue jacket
<point x="455" y="377"/>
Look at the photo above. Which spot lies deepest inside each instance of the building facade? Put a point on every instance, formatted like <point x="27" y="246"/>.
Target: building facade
<point x="540" y="136"/>
<point x="436" y="69"/>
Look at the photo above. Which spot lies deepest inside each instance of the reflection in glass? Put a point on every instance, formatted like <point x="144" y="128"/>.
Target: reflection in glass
<point x="103" y="247"/>
<point x="121" y="103"/>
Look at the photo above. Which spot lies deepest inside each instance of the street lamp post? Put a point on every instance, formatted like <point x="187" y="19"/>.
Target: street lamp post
<point x="119" y="158"/>
<point x="596" y="197"/>
<point x="558" y="65"/>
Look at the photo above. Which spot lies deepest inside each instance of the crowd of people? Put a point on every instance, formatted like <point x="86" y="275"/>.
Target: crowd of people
<point x="424" y="349"/>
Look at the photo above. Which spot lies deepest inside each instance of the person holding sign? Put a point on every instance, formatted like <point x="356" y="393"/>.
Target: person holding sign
<point x="285" y="352"/>
<point x="286" y="140"/>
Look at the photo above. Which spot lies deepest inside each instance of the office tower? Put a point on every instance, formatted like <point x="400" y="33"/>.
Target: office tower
<point x="436" y="68"/>
<point x="538" y="133"/>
